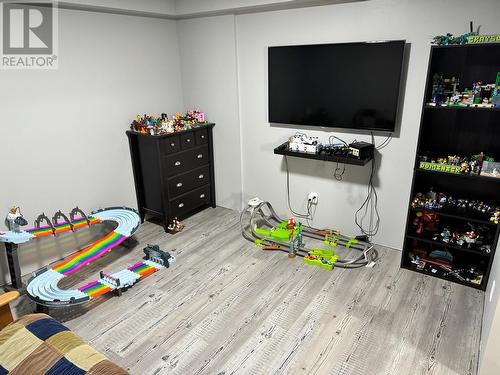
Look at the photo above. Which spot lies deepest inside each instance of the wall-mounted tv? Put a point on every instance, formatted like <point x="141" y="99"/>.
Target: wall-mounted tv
<point x="348" y="85"/>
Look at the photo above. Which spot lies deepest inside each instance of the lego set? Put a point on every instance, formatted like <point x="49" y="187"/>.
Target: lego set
<point x="261" y="225"/>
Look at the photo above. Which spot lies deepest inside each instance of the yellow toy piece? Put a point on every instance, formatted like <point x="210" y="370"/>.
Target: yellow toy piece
<point x="331" y="240"/>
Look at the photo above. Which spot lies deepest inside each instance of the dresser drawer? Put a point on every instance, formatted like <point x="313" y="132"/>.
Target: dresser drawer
<point x="188" y="181"/>
<point x="201" y="136"/>
<point x="187" y="141"/>
<point x="190" y="201"/>
<point x="185" y="161"/>
<point x="170" y="145"/>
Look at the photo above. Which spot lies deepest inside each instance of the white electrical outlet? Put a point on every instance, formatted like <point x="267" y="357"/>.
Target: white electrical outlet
<point x="312" y="198"/>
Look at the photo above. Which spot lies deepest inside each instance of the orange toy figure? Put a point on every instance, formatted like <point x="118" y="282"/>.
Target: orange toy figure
<point x="425" y="221"/>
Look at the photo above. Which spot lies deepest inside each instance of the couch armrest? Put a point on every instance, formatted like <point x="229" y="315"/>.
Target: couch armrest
<point x="5" y="313"/>
<point x="8" y="297"/>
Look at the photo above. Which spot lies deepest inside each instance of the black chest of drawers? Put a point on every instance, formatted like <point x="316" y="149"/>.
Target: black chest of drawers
<point x="173" y="173"/>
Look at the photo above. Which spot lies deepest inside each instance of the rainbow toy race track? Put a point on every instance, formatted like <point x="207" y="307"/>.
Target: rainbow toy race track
<point x="43" y="286"/>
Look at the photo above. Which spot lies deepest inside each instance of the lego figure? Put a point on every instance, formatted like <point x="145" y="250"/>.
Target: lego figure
<point x="446" y="235"/>
<point x="15" y="220"/>
<point x="476" y="90"/>
<point x="431" y="194"/>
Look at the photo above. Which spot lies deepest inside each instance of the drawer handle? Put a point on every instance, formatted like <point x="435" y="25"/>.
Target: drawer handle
<point x="179" y="184"/>
<point x="188" y="140"/>
<point x="181" y="205"/>
<point x="201" y="176"/>
<point x="200" y="156"/>
<point x="202" y="137"/>
<point x="172" y="144"/>
<point x="202" y="196"/>
<point x="177" y="163"/>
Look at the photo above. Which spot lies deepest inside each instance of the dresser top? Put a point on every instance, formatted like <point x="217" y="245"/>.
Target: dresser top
<point x="166" y="135"/>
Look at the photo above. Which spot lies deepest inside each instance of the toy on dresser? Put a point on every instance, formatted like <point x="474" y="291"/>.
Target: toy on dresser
<point x="151" y="125"/>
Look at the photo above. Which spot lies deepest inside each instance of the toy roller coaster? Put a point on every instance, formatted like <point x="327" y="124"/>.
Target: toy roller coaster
<point x="43" y="286"/>
<point x="260" y="224"/>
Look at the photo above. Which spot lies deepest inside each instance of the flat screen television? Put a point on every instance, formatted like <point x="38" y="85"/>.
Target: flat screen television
<point x="348" y="85"/>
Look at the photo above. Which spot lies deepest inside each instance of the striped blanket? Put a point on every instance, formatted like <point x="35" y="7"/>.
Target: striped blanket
<point x="37" y="344"/>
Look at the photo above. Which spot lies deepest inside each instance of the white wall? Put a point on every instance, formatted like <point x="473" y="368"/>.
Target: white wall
<point x="209" y="80"/>
<point x="263" y="172"/>
<point x="490" y="330"/>
<point x="63" y="139"/>
<point x="490" y="361"/>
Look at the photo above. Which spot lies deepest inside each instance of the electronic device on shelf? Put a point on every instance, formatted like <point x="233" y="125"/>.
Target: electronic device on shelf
<point x="303" y="143"/>
<point x="335" y="149"/>
<point x="361" y="150"/>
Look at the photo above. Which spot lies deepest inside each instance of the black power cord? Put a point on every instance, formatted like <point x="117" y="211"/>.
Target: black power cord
<point x="338" y="172"/>
<point x="370" y="204"/>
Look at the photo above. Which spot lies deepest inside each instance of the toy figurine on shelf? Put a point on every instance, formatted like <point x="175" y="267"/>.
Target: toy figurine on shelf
<point x="446" y="235"/>
<point x="476" y="91"/>
<point x="495" y="96"/>
<point x="175" y="226"/>
<point x="473" y="276"/>
<point x="465" y="167"/>
<point x="444" y="40"/>
<point x="425" y="221"/>
<point x="470" y="238"/>
<point x="418" y="201"/>
<point x="15" y="219"/>
<point x="437" y="89"/>
<point x="431" y="194"/>
<point x="495" y="217"/>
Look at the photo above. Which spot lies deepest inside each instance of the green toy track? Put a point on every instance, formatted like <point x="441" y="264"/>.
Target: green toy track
<point x="279" y="236"/>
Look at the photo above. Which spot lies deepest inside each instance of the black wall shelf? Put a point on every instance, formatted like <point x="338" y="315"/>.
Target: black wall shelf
<point x="463" y="131"/>
<point x="442" y="277"/>
<point x="283" y="150"/>
<point x="460" y="108"/>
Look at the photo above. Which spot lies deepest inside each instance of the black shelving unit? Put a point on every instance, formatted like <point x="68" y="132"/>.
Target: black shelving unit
<point x="464" y="131"/>
<point x="283" y="150"/>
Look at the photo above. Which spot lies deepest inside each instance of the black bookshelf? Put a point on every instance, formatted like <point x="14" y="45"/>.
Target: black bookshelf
<point x="464" y="131"/>
<point x="283" y="150"/>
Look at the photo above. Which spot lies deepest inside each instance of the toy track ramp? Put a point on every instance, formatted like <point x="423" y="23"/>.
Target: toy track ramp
<point x="43" y="289"/>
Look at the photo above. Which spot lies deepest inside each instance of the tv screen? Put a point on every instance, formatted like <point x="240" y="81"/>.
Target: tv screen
<point x="350" y="85"/>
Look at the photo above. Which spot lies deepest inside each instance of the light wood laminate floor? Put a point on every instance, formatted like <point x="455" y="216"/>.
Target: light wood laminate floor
<point x="227" y="307"/>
